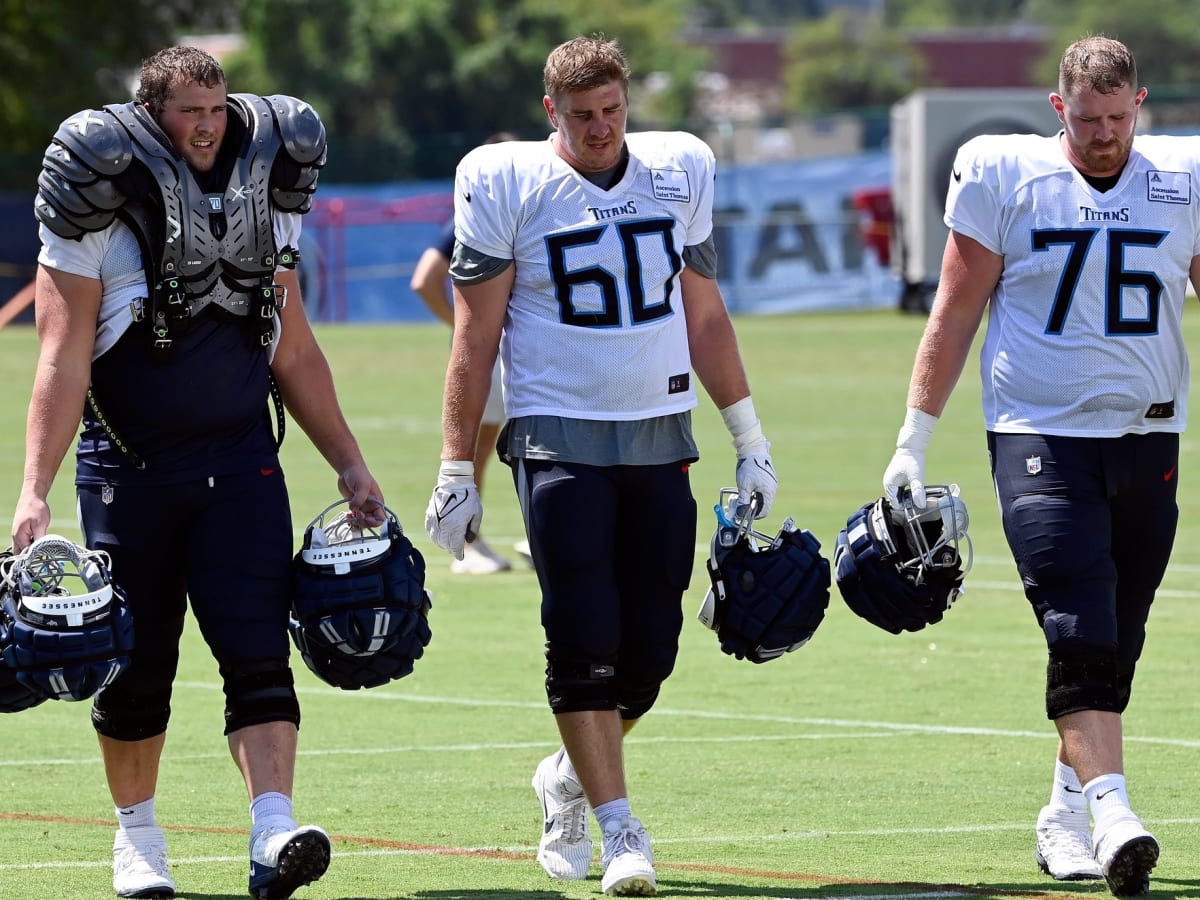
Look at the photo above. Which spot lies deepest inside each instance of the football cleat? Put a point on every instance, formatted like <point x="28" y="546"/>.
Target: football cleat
<point x="283" y="859"/>
<point x="1064" y="845"/>
<point x="565" y="848"/>
<point x="628" y="860"/>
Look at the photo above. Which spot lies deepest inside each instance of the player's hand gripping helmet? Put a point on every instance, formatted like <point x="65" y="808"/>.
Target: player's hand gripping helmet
<point x="359" y="605"/>
<point x="902" y="568"/>
<point x="65" y="628"/>
<point x="768" y="594"/>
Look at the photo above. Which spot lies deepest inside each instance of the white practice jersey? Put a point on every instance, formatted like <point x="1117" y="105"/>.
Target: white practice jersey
<point x="595" y="327"/>
<point x="1084" y="331"/>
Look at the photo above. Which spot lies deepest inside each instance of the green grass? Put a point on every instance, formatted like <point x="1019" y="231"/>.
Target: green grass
<point x="863" y="765"/>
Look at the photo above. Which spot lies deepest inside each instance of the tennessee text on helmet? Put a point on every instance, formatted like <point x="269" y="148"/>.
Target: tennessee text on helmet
<point x="768" y="594"/>
<point x="65" y="628"/>
<point x="359" y="605"/>
<point x="901" y="568"/>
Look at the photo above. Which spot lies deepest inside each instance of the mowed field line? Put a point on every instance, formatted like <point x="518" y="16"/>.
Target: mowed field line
<point x="851" y="729"/>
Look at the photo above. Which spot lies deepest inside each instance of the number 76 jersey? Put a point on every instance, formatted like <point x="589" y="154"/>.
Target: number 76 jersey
<point x="595" y="327"/>
<point x="1084" y="330"/>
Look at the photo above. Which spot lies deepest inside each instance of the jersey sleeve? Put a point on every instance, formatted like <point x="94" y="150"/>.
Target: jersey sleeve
<point x="287" y="230"/>
<point x="705" y="168"/>
<point x="76" y="257"/>
<point x="971" y="199"/>
<point x="483" y="217"/>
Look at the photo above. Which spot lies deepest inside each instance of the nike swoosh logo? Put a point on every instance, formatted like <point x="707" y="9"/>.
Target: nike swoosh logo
<point x="1169" y="474"/>
<point x="957" y="175"/>
<point x="1105" y="794"/>
<point x="449" y="505"/>
<point x="1071" y="790"/>
<point x="467" y="196"/>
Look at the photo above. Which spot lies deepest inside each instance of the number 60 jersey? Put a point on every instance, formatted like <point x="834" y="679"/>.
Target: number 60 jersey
<point x="595" y="327"/>
<point x="1084" y="333"/>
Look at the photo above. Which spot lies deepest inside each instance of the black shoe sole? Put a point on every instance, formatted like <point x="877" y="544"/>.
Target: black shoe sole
<point x="1129" y="873"/>
<point x="302" y="861"/>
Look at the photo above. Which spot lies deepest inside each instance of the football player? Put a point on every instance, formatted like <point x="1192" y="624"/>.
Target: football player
<point x="168" y="311"/>
<point x="1080" y="247"/>
<point x="587" y="262"/>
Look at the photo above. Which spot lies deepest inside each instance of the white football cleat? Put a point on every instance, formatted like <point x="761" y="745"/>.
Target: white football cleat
<point x="565" y="850"/>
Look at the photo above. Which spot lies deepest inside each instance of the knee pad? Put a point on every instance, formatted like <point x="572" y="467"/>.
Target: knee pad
<point x="637" y="686"/>
<point x="138" y="705"/>
<point x="131" y="715"/>
<point x="259" y="692"/>
<point x="577" y="685"/>
<point x="636" y="701"/>
<point x="1081" y="676"/>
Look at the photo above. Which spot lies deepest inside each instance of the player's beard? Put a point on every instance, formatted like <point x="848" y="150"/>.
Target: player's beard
<point x="1106" y="158"/>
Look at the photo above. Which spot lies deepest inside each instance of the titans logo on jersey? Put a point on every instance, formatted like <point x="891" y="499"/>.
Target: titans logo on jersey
<point x="595" y="303"/>
<point x="1084" y="335"/>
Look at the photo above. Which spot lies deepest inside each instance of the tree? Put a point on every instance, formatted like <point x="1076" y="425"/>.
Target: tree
<point x="62" y="56"/>
<point x="407" y="86"/>
<point x="840" y="62"/>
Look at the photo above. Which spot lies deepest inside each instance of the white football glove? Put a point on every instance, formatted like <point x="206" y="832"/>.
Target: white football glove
<point x="455" y="511"/>
<point x="755" y="473"/>
<point x="907" y="468"/>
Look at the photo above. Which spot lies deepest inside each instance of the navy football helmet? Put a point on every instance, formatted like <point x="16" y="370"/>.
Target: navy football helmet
<point x="768" y="594"/>
<point x="901" y="568"/>
<point x="65" y="628"/>
<point x="359" y="605"/>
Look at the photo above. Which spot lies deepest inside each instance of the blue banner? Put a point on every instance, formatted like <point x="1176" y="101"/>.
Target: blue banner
<point x="788" y="239"/>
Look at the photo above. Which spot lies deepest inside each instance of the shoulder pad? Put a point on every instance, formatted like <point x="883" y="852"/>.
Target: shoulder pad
<point x="296" y="168"/>
<point x="98" y="139"/>
<point x="301" y="128"/>
<point x="76" y="192"/>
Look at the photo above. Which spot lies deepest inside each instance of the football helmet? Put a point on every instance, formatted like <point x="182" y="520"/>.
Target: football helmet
<point x="65" y="628"/>
<point x="359" y="605"/>
<point x="902" y="568"/>
<point x="768" y="594"/>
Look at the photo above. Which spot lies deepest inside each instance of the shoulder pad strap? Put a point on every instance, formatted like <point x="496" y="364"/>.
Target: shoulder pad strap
<point x="76" y="193"/>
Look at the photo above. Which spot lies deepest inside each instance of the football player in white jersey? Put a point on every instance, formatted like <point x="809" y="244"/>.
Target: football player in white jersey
<point x="1080" y="246"/>
<point x="587" y="262"/>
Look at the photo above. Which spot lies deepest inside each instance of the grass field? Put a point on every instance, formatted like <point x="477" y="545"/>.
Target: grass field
<point x="864" y="765"/>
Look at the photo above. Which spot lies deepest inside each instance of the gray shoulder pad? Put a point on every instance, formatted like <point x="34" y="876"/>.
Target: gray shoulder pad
<point x="98" y="139"/>
<point x="76" y="193"/>
<point x="301" y="128"/>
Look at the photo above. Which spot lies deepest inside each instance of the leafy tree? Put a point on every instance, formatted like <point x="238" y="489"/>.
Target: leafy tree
<point x="1164" y="43"/>
<point x="407" y="86"/>
<point x="952" y="13"/>
<point x="62" y="56"/>
<point x="840" y="62"/>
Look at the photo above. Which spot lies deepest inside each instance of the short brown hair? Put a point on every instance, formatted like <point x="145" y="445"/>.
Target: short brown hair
<point x="1100" y="63"/>
<point x="169" y="68"/>
<point x="583" y="63"/>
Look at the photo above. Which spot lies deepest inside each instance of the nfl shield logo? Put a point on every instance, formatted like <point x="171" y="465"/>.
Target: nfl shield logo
<point x="1033" y="465"/>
